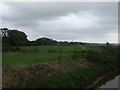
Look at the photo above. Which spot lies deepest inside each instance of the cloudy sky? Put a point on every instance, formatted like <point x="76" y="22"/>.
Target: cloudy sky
<point x="78" y="21"/>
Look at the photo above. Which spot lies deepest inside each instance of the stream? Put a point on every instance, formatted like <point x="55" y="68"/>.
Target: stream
<point x="111" y="81"/>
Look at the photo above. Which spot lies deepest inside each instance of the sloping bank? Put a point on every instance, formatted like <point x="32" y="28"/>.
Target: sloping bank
<point x="33" y="75"/>
<point x="70" y="74"/>
<point x="103" y="63"/>
<point x="103" y="79"/>
<point x="80" y="77"/>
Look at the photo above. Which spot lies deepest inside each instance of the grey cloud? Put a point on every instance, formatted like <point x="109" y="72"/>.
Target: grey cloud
<point x="26" y="16"/>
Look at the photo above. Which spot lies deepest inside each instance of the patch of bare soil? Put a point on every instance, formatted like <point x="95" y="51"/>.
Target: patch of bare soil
<point x="12" y="76"/>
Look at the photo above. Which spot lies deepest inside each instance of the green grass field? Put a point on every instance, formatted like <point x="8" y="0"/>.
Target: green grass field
<point x="100" y="59"/>
<point x="29" y="56"/>
<point x="37" y="54"/>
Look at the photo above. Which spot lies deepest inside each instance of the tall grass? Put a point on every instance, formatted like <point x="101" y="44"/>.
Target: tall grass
<point x="78" y="78"/>
<point x="104" y="59"/>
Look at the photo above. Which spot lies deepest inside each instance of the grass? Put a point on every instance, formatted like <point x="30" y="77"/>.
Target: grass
<point x="58" y="49"/>
<point x="103" y="58"/>
<point x="25" y="58"/>
<point x="28" y="55"/>
<point x="78" y="78"/>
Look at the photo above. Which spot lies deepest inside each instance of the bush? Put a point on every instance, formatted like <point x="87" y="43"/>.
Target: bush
<point x="10" y="49"/>
<point x="15" y="49"/>
<point x="35" y="50"/>
<point x="94" y="56"/>
<point x="51" y="51"/>
<point x="78" y="54"/>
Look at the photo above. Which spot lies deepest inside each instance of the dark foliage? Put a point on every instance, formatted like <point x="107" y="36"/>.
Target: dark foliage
<point x="14" y="38"/>
<point x="18" y="38"/>
<point x="10" y="49"/>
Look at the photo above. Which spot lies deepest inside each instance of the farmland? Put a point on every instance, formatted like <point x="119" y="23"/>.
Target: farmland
<point x="29" y="55"/>
<point x="58" y="66"/>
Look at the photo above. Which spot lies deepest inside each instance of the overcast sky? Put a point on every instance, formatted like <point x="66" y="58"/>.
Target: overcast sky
<point x="87" y="22"/>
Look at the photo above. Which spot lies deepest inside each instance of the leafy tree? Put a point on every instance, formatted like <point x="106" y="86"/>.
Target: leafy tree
<point x="18" y="38"/>
<point x="44" y="41"/>
<point x="13" y="37"/>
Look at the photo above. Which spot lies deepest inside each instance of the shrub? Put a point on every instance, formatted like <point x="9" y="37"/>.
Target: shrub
<point x="10" y="49"/>
<point x="35" y="50"/>
<point x="51" y="51"/>
<point x="78" y="54"/>
<point x="15" y="49"/>
<point x="94" y="56"/>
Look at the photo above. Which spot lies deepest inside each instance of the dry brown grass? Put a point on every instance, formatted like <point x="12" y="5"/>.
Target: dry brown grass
<point x="12" y="76"/>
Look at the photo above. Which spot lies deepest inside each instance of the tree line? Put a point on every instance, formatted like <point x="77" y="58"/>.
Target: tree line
<point x="19" y="38"/>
